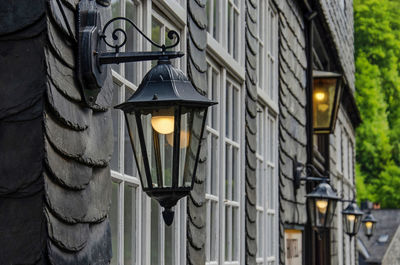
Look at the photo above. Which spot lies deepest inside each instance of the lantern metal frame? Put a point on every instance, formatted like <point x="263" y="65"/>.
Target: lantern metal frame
<point x="369" y="218"/>
<point x="92" y="60"/>
<point x="336" y="101"/>
<point x="323" y="190"/>
<point x="352" y="209"/>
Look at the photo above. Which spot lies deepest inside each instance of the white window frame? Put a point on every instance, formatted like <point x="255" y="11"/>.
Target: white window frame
<point x="268" y="176"/>
<point x="226" y="35"/>
<point x="220" y="199"/>
<point x="145" y="11"/>
<point x="268" y="47"/>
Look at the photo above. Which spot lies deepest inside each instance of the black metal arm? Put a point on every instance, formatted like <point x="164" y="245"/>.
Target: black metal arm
<point x="93" y="56"/>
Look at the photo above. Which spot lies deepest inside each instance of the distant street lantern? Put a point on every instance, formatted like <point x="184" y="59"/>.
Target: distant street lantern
<point x="369" y="223"/>
<point x="327" y="91"/>
<point x="352" y="217"/>
<point x="321" y="206"/>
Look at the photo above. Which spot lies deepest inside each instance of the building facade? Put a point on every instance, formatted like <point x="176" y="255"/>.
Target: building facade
<point x="76" y="185"/>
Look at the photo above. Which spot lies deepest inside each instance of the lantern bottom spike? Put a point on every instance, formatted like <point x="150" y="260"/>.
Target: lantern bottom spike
<point x="168" y="216"/>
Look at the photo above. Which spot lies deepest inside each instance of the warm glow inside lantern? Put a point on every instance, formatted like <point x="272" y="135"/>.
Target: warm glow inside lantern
<point x="327" y="91"/>
<point x="166" y="119"/>
<point x="352" y="216"/>
<point x="321" y="206"/>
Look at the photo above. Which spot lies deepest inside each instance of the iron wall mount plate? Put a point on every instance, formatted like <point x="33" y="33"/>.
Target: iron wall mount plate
<point x="91" y="73"/>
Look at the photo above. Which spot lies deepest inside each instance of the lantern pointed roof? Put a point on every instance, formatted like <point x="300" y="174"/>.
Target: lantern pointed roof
<point x="165" y="84"/>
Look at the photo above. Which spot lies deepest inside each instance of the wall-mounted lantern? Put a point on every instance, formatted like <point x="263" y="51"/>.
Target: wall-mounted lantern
<point x="327" y="90"/>
<point x="165" y="116"/>
<point x="321" y="204"/>
<point x="369" y="223"/>
<point x="321" y="201"/>
<point x="352" y="217"/>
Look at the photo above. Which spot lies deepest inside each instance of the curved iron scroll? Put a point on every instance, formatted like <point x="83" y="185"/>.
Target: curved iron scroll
<point x="171" y="35"/>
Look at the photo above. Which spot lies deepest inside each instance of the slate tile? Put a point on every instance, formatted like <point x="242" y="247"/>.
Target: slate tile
<point x="29" y="32"/>
<point x="66" y="26"/>
<point x="250" y="158"/>
<point x="18" y="94"/>
<point x="63" y="77"/>
<point x="23" y="232"/>
<point x="251" y="42"/>
<point x="65" y="171"/>
<point x="96" y="252"/>
<point x="251" y="177"/>
<point x="195" y="256"/>
<point x="68" y="205"/>
<point x="251" y="229"/>
<point x="99" y="195"/>
<point x="198" y="194"/>
<point x="14" y="16"/>
<point x="60" y="45"/>
<point x="198" y="79"/>
<point x="251" y="212"/>
<point x="21" y="157"/>
<point x="251" y="246"/>
<point x="196" y="214"/>
<point x="198" y="14"/>
<point x="251" y="107"/>
<point x="197" y="35"/>
<point x="72" y="115"/>
<point x="196" y="236"/>
<point x="69" y="237"/>
<point x="251" y="196"/>
<point x="68" y="142"/>
<point x="198" y="57"/>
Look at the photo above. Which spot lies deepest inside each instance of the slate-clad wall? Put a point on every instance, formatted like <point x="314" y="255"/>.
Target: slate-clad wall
<point x="54" y="176"/>
<point x="251" y="51"/>
<point x="78" y="147"/>
<point x="340" y="25"/>
<point x="292" y="118"/>
<point x="344" y="186"/>
<point x="197" y="68"/>
<point x="22" y="222"/>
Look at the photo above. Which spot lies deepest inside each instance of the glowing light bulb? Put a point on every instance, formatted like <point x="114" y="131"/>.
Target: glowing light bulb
<point x="184" y="141"/>
<point x="368" y="225"/>
<point x="320" y="96"/>
<point x="351" y="217"/>
<point x="163" y="124"/>
<point x="321" y="205"/>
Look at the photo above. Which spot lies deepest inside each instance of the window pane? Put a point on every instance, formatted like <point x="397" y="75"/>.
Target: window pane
<point x="155" y="234"/>
<point x="235" y="174"/>
<point x="235" y="234"/>
<point x="132" y="41"/>
<point x="214" y="164"/>
<point x="116" y="12"/>
<point x="214" y="231"/>
<point x="115" y="114"/>
<point x="129" y="225"/>
<point x="114" y="222"/>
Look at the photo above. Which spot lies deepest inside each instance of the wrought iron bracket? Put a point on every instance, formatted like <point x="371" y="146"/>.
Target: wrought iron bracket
<point x="304" y="172"/>
<point x="93" y="56"/>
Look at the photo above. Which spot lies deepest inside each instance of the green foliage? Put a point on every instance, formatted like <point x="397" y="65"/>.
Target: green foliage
<point x="377" y="50"/>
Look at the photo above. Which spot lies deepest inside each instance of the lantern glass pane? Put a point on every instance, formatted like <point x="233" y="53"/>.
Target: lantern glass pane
<point x="161" y="142"/>
<point x="351" y="223"/>
<point x="137" y="150"/>
<point x="191" y="128"/>
<point x="321" y="211"/>
<point x="369" y="228"/>
<point x="323" y="102"/>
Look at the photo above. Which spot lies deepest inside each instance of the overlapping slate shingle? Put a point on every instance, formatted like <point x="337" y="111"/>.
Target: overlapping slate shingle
<point x="197" y="67"/>
<point x="78" y="150"/>
<point x="251" y="51"/>
<point x="22" y="222"/>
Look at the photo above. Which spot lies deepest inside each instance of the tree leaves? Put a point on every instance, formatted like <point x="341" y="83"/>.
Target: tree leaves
<point x="377" y="50"/>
